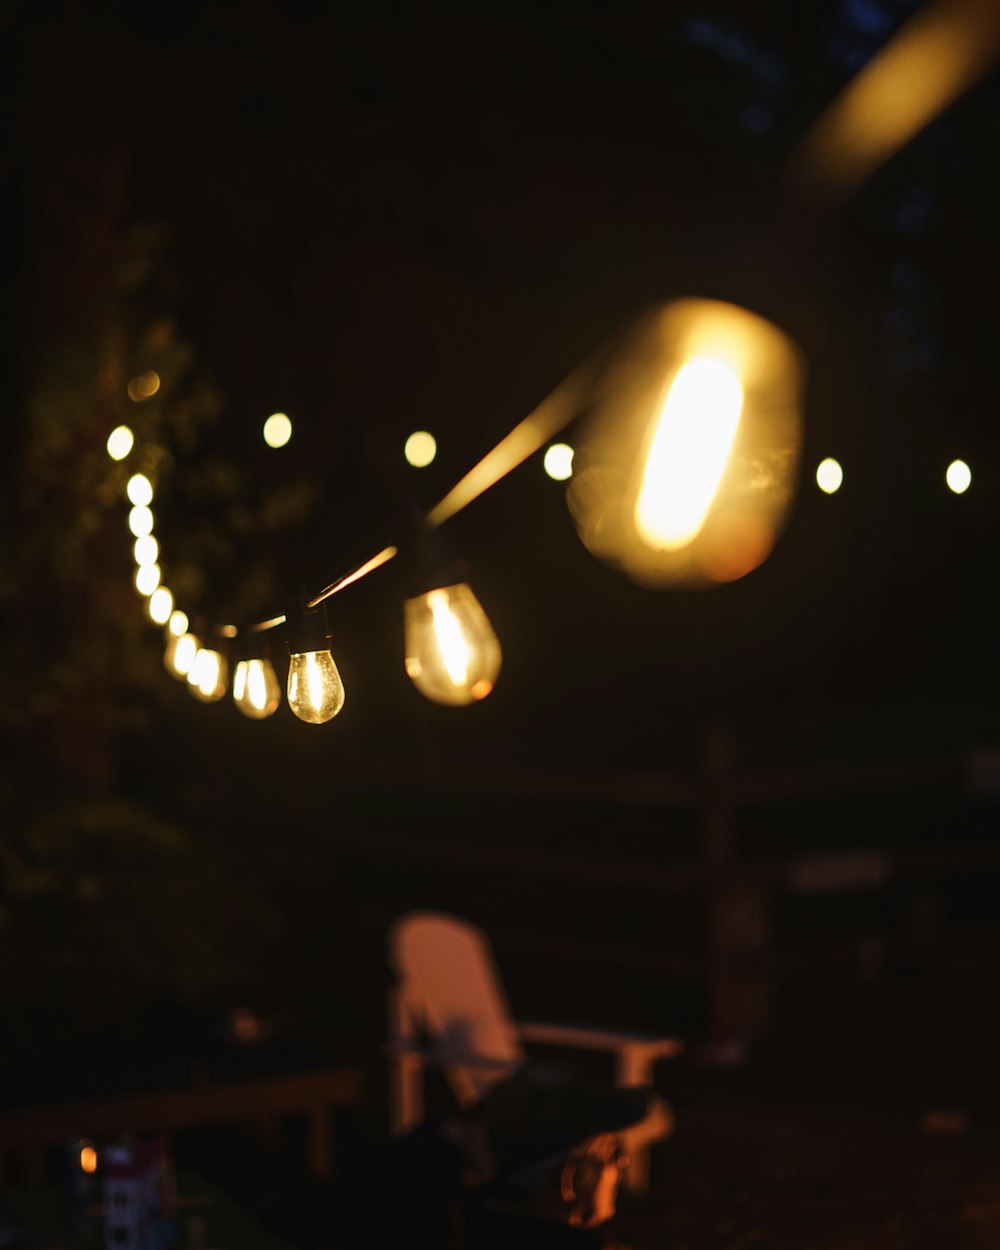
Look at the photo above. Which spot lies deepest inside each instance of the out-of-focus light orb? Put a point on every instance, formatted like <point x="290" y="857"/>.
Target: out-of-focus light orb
<point x="558" y="462"/>
<point x="687" y="468"/>
<point x="180" y="655"/>
<point x="178" y="623"/>
<point x="160" y="605"/>
<point x="147" y="578"/>
<point x="208" y="675"/>
<point x="420" y="449"/>
<point x="120" y="442"/>
<point x="958" y="477"/>
<point x="139" y="489"/>
<point x="143" y="386"/>
<point x="88" y="1159"/>
<point x="277" y="429"/>
<point x="146" y="549"/>
<point x="140" y="520"/>
<point x="829" y="476"/>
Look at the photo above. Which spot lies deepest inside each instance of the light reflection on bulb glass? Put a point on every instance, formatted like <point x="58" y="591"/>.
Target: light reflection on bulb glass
<point x="452" y="653"/>
<point x="208" y="675"/>
<point x="315" y="691"/>
<point x="256" y="691"/>
<point x="180" y="654"/>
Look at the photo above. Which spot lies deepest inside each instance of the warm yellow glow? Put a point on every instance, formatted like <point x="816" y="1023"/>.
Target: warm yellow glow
<point x="160" y="605"/>
<point x="558" y="462"/>
<point x="452" y="653"/>
<point x="958" y="477"/>
<point x="315" y="691"/>
<point x="146" y="549"/>
<point x="207" y="677"/>
<point x="829" y="476"/>
<point x="420" y="449"/>
<point x="935" y="56"/>
<point x="686" y="467"/>
<point x="688" y="455"/>
<point x="178" y="623"/>
<point x="140" y="520"/>
<point x="277" y="429"/>
<point x="139" y="489"/>
<point x="143" y="386"/>
<point x="255" y="688"/>
<point x="147" y="578"/>
<point x="88" y="1159"/>
<point x="180" y="655"/>
<point x="120" y="442"/>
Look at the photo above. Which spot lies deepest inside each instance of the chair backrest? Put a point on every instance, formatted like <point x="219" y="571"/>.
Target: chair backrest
<point x="450" y="984"/>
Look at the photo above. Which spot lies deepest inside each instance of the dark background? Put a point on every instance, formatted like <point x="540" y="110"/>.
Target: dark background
<point x="379" y="219"/>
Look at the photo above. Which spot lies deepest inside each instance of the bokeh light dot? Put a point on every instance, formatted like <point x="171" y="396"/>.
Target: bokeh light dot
<point x="139" y="489"/>
<point x="120" y="442"/>
<point x="147" y="578"/>
<point x="140" y="521"/>
<point x="829" y="476"/>
<point x="160" y="606"/>
<point x="178" y="623"/>
<point x="558" y="462"/>
<point x="420" y="449"/>
<point x="146" y="550"/>
<point x="277" y="429"/>
<point x="958" y="477"/>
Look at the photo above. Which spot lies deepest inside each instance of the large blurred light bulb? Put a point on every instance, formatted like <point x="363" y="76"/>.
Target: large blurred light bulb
<point x="452" y="653"/>
<point x="208" y="674"/>
<point x="180" y="654"/>
<point x="256" y="691"/>
<point x="315" y="690"/>
<point x="686" y="471"/>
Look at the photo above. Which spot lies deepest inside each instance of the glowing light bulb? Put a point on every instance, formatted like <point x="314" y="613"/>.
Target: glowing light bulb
<point x="180" y="655"/>
<point x="147" y="578"/>
<point x="256" y="691"/>
<point x="315" y="691"/>
<point x="420" y="449"/>
<point x="452" y="653"/>
<point x="160" y="605"/>
<point x="958" y="477"/>
<point x="558" y="462"/>
<point x="686" y="469"/>
<point x="88" y="1157"/>
<point x="140" y="521"/>
<point x="208" y="674"/>
<point x="139" y="490"/>
<point x="178" y="623"/>
<point x="120" y="442"/>
<point x="277" y="430"/>
<point x="829" y="476"/>
<point x="146" y="549"/>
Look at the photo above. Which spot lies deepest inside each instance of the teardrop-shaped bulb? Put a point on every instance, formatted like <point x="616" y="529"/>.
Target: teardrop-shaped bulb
<point x="256" y="691"/>
<point x="315" y="691"/>
<point x="208" y="675"/>
<point x="180" y="654"/>
<point x="452" y="653"/>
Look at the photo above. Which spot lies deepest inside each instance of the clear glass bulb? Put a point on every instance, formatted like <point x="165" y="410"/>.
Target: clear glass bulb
<point x="180" y="654"/>
<point x="256" y="691"/>
<point x="315" y="691"/>
<point x="208" y="675"/>
<point x="452" y="653"/>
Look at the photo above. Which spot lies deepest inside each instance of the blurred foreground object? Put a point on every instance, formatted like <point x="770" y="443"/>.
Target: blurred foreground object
<point x="689" y="465"/>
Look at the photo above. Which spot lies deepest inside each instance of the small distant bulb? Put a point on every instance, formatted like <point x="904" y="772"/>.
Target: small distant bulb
<point x="120" y="442"/>
<point x="147" y="578"/>
<point x="139" y="490"/>
<point x="420" y="449"/>
<point x="146" y="550"/>
<point x="958" y="477"/>
<point x="829" y="476"/>
<point x="558" y="462"/>
<point x="88" y="1158"/>
<point x="180" y="655"/>
<point x="143" y="386"/>
<point x="140" y="520"/>
<point x="208" y="675"/>
<point x="256" y="691"/>
<point x="277" y="430"/>
<point x="160" y="605"/>
<point x="178" y="623"/>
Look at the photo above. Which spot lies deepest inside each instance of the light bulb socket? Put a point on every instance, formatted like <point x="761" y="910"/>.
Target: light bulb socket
<point x="254" y="644"/>
<point x="431" y="565"/>
<point x="306" y="629"/>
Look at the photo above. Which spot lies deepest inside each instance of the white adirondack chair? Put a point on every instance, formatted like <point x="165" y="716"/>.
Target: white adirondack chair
<point x="448" y="1008"/>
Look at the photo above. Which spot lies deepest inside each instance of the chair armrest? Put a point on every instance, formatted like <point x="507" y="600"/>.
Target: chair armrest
<point x="583" y="1037"/>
